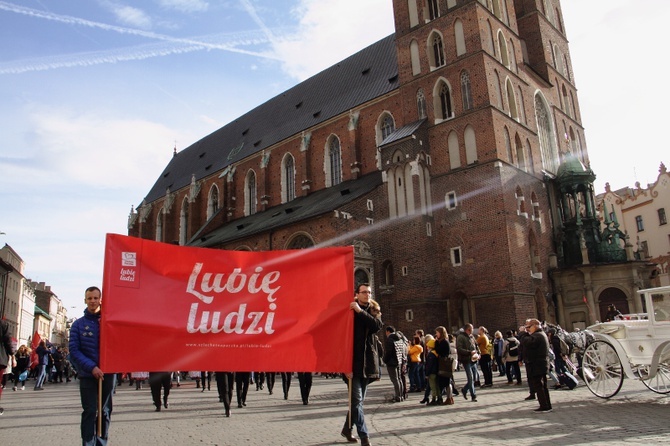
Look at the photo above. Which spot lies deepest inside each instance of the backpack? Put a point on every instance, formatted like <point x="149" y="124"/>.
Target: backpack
<point x="565" y="348"/>
<point x="513" y="347"/>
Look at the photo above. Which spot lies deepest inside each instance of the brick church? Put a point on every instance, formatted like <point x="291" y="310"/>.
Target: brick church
<point x="435" y="152"/>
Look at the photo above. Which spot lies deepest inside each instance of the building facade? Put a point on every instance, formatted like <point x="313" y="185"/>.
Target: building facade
<point x="434" y="152"/>
<point x="10" y="307"/>
<point x="642" y="214"/>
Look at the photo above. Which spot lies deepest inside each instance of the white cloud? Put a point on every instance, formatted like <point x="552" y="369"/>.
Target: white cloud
<point x="185" y="5"/>
<point x="329" y="32"/>
<point x="131" y="16"/>
<point x="101" y="151"/>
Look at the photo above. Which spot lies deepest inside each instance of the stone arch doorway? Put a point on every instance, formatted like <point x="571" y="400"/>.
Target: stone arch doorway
<point x="612" y="296"/>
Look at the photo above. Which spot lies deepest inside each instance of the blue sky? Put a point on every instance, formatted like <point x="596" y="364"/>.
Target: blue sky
<point x="97" y="93"/>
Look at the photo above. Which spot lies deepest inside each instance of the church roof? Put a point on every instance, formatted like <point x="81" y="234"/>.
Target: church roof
<point x="366" y="75"/>
<point x="300" y="209"/>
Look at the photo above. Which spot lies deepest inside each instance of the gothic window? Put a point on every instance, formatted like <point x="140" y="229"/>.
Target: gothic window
<point x="470" y="145"/>
<point x="572" y="105"/>
<point x="250" y="193"/>
<point x="460" y="37"/>
<point x="159" y="226"/>
<point x="520" y="157"/>
<point x="546" y="136"/>
<point x="387" y="268"/>
<point x="333" y="162"/>
<point x="511" y="100"/>
<point x="454" y="150"/>
<point x="522" y="107"/>
<point x="288" y="178"/>
<point x="466" y="90"/>
<point x="496" y="9"/>
<point x="575" y="146"/>
<point x="443" y="97"/>
<point x="421" y="104"/>
<point x="433" y="9"/>
<point x="413" y="13"/>
<point x="183" y="222"/>
<point x="491" y="43"/>
<point x="415" y="58"/>
<point x="558" y="59"/>
<point x="504" y="55"/>
<point x="212" y="201"/>
<point x="497" y="88"/>
<point x="529" y="151"/>
<point x="385" y="127"/>
<point x="566" y="102"/>
<point x="437" y="50"/>
<point x="508" y="146"/>
<point x="300" y="241"/>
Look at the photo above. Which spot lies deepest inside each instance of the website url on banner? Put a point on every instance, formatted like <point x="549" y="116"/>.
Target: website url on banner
<point x="215" y="345"/>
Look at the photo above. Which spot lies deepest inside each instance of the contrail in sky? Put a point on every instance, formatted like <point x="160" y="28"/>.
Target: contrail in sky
<point x="119" y="29"/>
<point x="138" y="52"/>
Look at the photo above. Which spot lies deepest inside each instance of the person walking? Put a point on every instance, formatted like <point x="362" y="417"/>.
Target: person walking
<point x="158" y="380"/>
<point x="468" y="354"/>
<point x="85" y="353"/>
<point x="242" y="381"/>
<point x="224" y="385"/>
<point x="365" y="366"/>
<point x="22" y="357"/>
<point x="286" y="382"/>
<point x="42" y="364"/>
<point x="6" y="352"/>
<point x="395" y="350"/>
<point x="305" y="381"/>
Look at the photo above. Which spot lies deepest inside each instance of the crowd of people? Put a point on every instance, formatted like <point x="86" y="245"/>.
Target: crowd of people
<point x="425" y="364"/>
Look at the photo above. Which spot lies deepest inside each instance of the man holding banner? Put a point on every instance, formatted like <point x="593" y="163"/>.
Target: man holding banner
<point x="367" y="322"/>
<point x="93" y="383"/>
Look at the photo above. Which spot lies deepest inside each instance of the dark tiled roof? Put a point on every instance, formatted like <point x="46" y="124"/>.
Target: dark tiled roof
<point x="403" y="132"/>
<point x="300" y="209"/>
<point x="360" y="78"/>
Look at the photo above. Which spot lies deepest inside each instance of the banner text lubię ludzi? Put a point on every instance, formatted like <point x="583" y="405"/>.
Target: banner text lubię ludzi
<point x="239" y="322"/>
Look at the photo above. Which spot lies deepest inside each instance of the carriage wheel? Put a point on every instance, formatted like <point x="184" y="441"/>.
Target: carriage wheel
<point x="660" y="383"/>
<point x="602" y="369"/>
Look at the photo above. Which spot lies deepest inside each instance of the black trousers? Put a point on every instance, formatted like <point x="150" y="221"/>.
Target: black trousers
<point x="158" y="380"/>
<point x="538" y="385"/>
<point x="242" y="386"/>
<point x="224" y="384"/>
<point x="286" y="382"/>
<point x="305" y="380"/>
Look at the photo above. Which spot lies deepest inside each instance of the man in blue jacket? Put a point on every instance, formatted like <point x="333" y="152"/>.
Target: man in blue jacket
<point x="85" y="353"/>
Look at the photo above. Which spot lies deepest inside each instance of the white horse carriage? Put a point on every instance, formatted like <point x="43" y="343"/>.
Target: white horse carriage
<point x="637" y="346"/>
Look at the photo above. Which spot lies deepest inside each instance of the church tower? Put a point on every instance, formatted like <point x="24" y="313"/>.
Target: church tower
<point x="489" y="85"/>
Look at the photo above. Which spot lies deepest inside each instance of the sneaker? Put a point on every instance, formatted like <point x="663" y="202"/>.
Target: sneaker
<point x="540" y="410"/>
<point x="23" y="387"/>
<point x="14" y="388"/>
<point x="2" y="410"/>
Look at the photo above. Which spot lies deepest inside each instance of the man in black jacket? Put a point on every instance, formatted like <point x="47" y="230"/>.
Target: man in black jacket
<point x="536" y="357"/>
<point x="367" y="322"/>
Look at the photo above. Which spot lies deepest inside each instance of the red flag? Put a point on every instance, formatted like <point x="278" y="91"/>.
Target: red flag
<point x="34" y="359"/>
<point x="209" y="309"/>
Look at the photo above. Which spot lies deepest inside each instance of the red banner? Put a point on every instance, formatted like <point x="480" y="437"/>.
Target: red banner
<point x="168" y="308"/>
